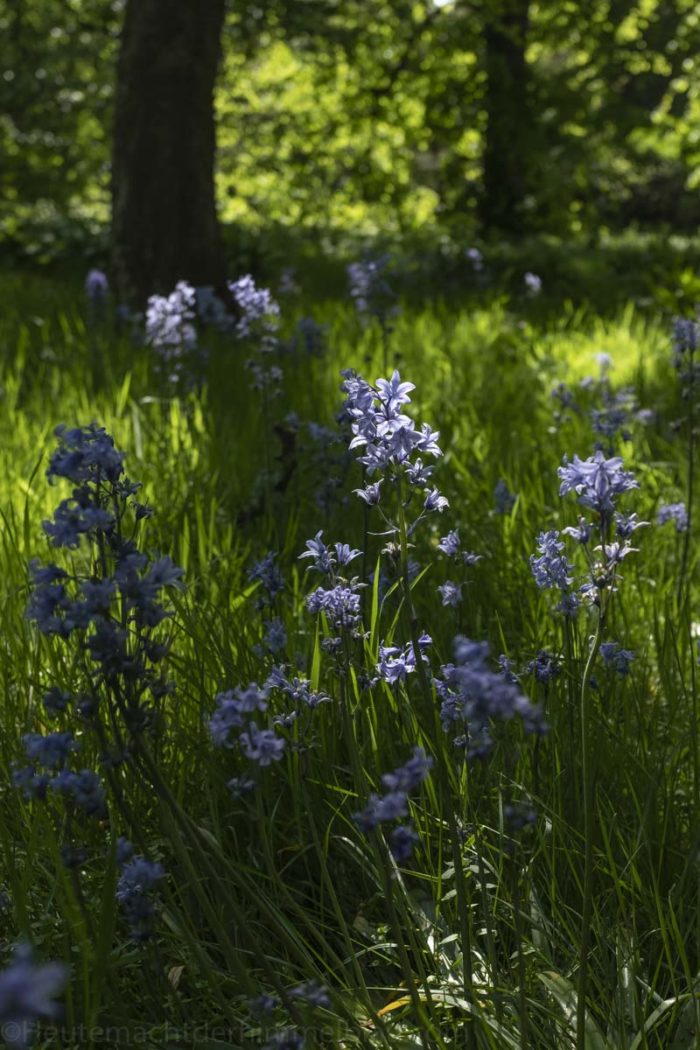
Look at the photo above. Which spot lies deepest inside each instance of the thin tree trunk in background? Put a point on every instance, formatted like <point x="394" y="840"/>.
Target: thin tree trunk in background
<point x="508" y="135"/>
<point x="164" y="221"/>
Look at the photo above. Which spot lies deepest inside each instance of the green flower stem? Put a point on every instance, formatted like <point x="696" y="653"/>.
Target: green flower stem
<point x="463" y="897"/>
<point x="587" y="778"/>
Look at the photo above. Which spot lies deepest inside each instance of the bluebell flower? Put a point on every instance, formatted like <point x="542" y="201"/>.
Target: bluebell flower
<point x="56" y="700"/>
<point x="551" y="568"/>
<point x="473" y="695"/>
<point x="569" y="605"/>
<point x="28" y="991"/>
<point x="84" y="787"/>
<point x="98" y="596"/>
<point x="141" y="592"/>
<point x="341" y="604"/>
<point x="309" y="337"/>
<point x="503" y="498"/>
<point x="96" y="286"/>
<point x="544" y="667"/>
<point x="581" y="532"/>
<point x="332" y="646"/>
<point x="646" y="416"/>
<point x="344" y="553"/>
<point x="395" y="664"/>
<point x="322" y="435"/>
<point x="259" y="313"/>
<point x="533" y="283"/>
<point x="298" y="690"/>
<point x="85" y="454"/>
<point x="617" y="658"/>
<point x="615" y="552"/>
<point x="33" y="785"/>
<point x="388" y="436"/>
<point x="239" y="787"/>
<point x="596" y="481"/>
<point x="275" y="635"/>
<point x="369" y="287"/>
<point x="450" y="544"/>
<point x="323" y="558"/>
<point x="475" y="258"/>
<point x="402" y="842"/>
<point x="170" y="322"/>
<point x="49" y="751"/>
<point x="435" y="501"/>
<point x="47" y="607"/>
<point x="233" y="707"/>
<point x="393" y="804"/>
<point x="411" y="774"/>
<point x="107" y="646"/>
<point x="676" y="512"/>
<point x="370" y="494"/>
<point x="381" y="809"/>
<point x="451" y="593"/>
<point x="506" y="665"/>
<point x="125" y="851"/>
<point x="135" y="892"/>
<point x="71" y="522"/>
<point x="267" y="573"/>
<point x="262" y="746"/>
<point x="419" y="474"/>
<point x="686" y="336"/>
<point x="612" y="418"/>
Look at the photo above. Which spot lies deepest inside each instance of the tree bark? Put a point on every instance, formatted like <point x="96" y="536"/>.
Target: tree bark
<point x="164" y="221"/>
<point x="508" y="134"/>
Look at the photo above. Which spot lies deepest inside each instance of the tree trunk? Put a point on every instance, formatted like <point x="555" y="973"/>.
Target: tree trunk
<point x="164" y="222"/>
<point x="508" y="135"/>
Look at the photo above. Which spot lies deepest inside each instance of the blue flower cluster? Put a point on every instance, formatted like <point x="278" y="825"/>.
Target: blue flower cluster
<point x="544" y="667"/>
<point x="259" y="312"/>
<point x="260" y="746"/>
<point x="392" y="444"/>
<point x="451" y="545"/>
<point x="96" y="287"/>
<point x="113" y="607"/>
<point x="266" y="572"/>
<point x="117" y="607"/>
<point x="170" y="322"/>
<point x="396" y="664"/>
<point x="676" y="512"/>
<point x="257" y="323"/>
<point x="552" y="570"/>
<point x="393" y="803"/>
<point x="597" y="482"/>
<point x="617" y="658"/>
<point x="28" y="991"/>
<point x="135" y="891"/>
<point x="473" y="696"/>
<point x="340" y="602"/>
<point x="370" y="289"/>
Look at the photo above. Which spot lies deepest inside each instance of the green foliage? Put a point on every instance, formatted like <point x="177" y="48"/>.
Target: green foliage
<point x="370" y="117"/>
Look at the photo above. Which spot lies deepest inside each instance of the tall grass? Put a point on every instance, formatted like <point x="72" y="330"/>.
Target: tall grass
<point x="279" y="887"/>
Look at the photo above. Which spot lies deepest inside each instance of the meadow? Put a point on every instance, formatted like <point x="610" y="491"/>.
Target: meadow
<point x="395" y="760"/>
